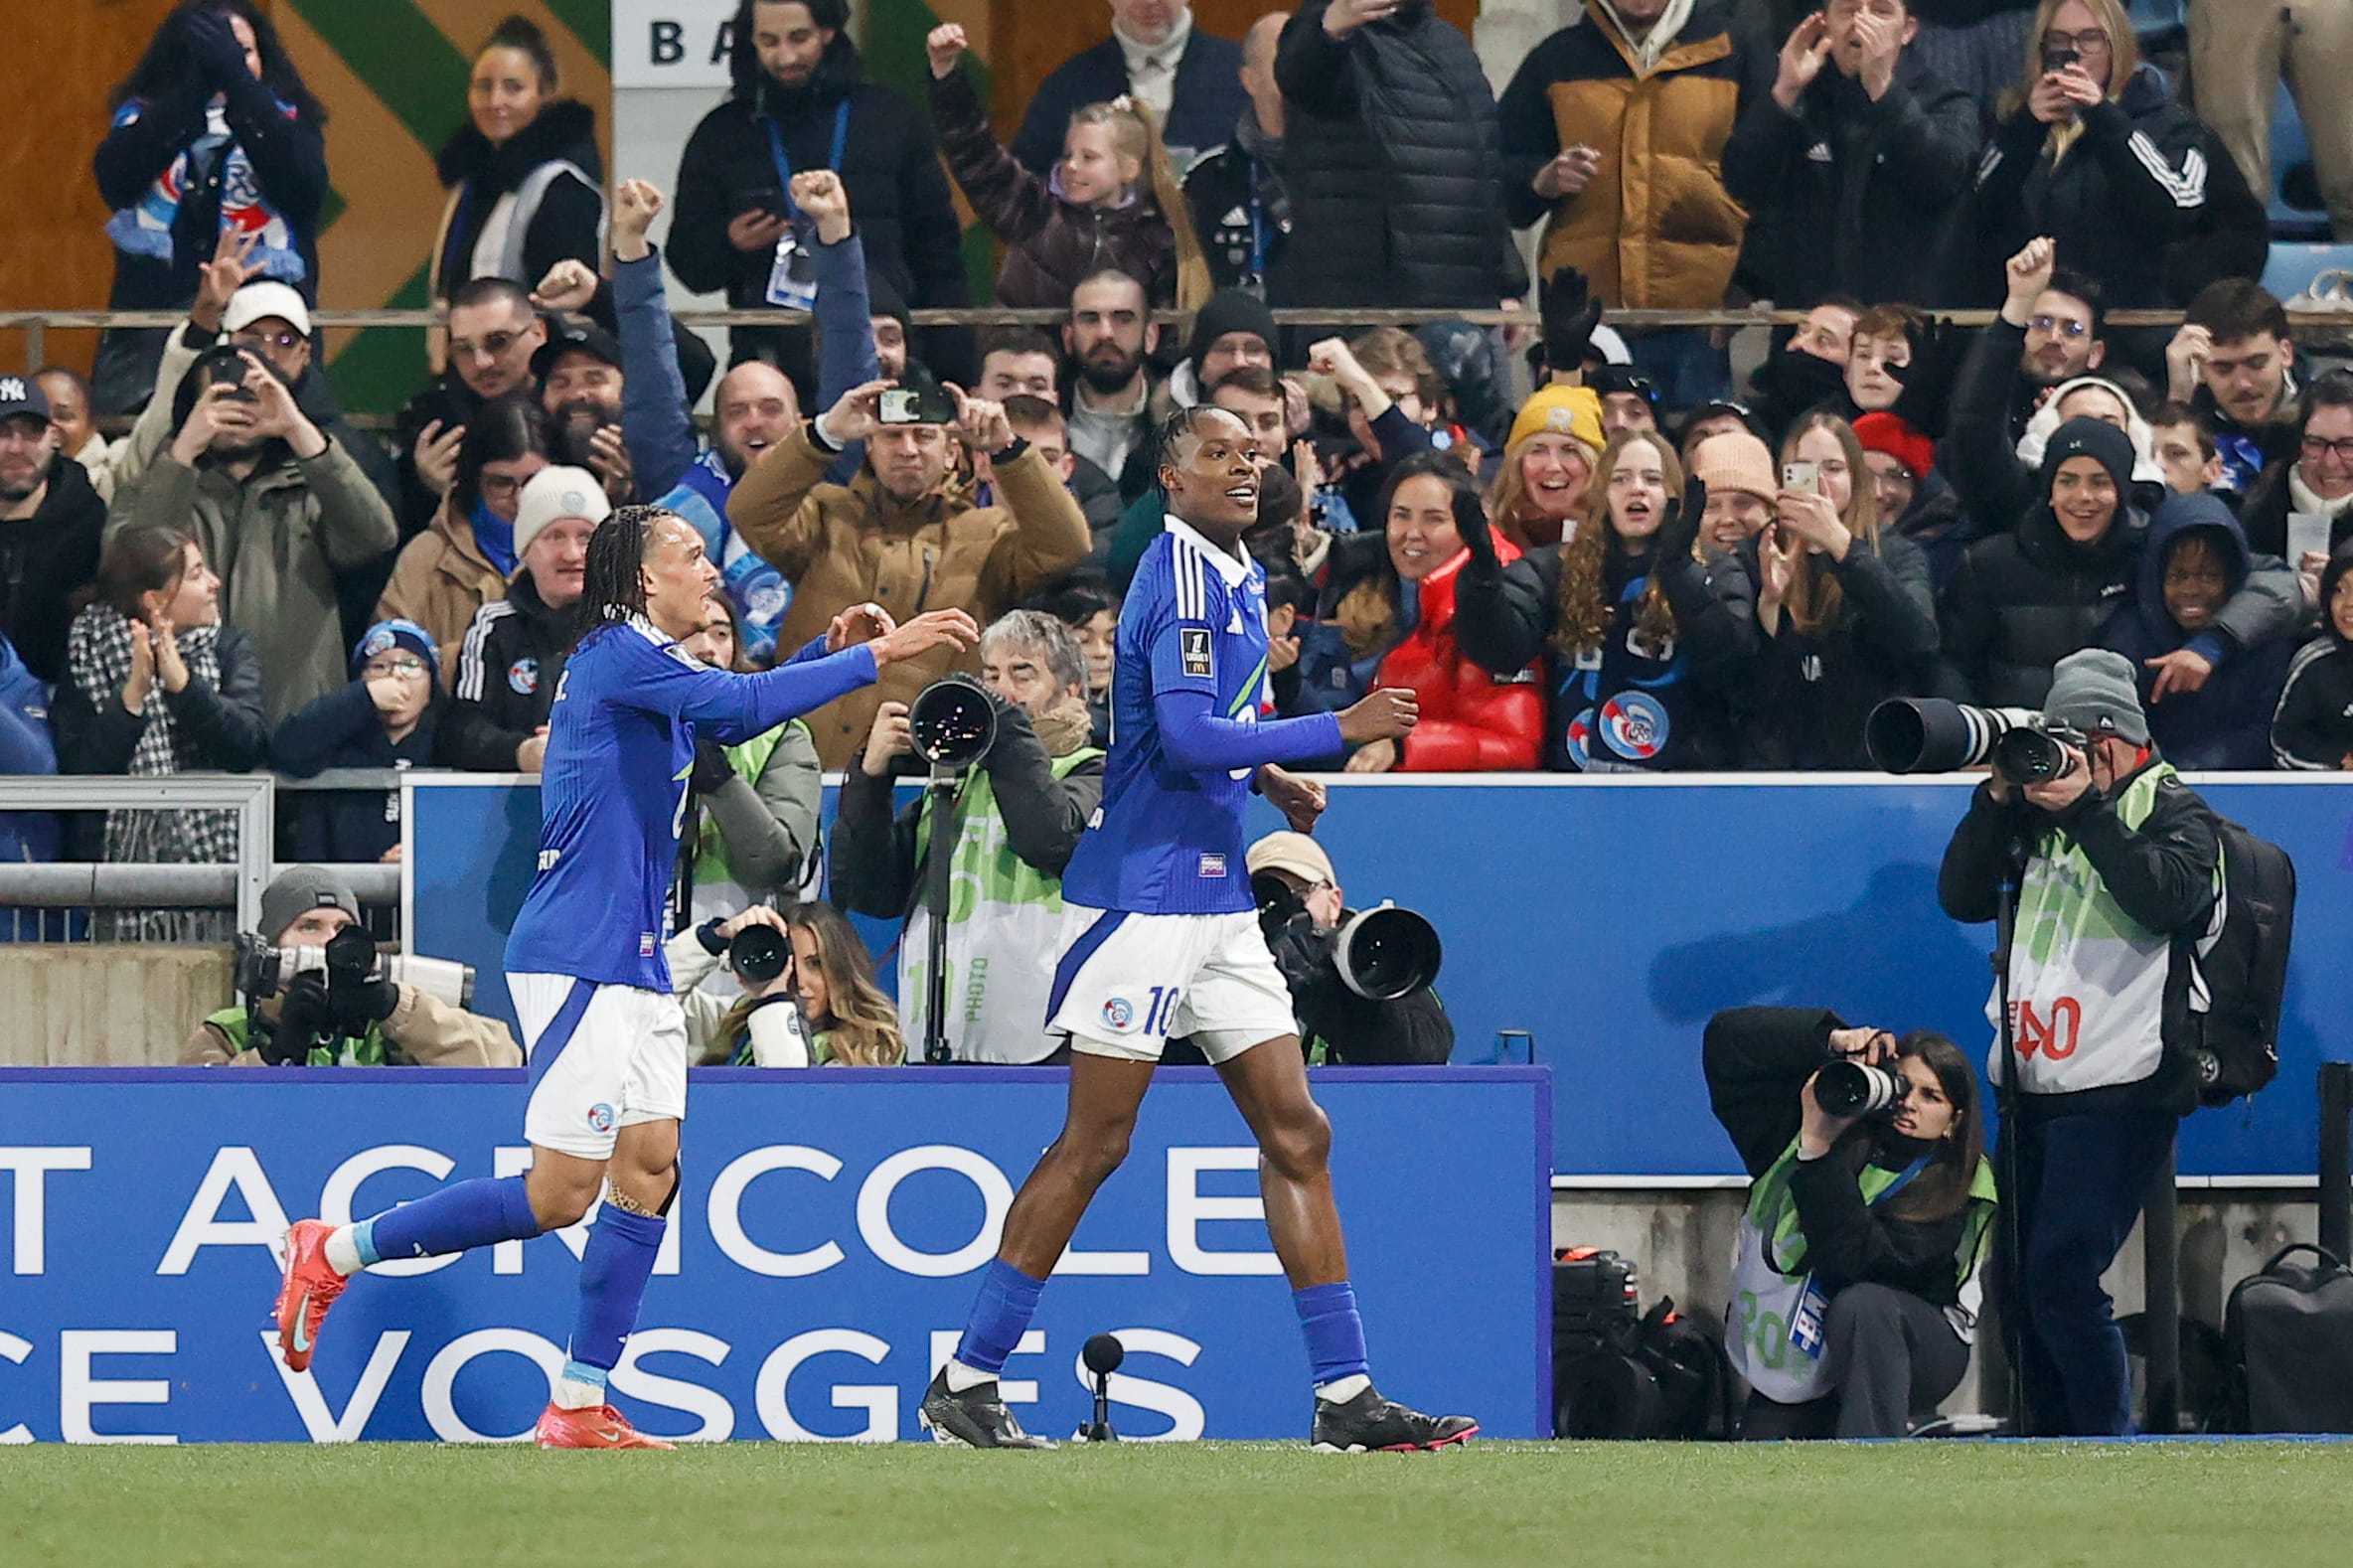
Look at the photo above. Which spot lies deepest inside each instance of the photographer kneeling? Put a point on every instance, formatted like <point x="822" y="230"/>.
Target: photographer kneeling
<point x="1358" y="1006"/>
<point x="1855" y="1287"/>
<point x="761" y="1027"/>
<point x="2121" y="870"/>
<point x="353" y="1015"/>
<point x="1018" y="815"/>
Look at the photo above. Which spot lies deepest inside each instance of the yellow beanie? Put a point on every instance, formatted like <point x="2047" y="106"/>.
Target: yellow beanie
<point x="1562" y="410"/>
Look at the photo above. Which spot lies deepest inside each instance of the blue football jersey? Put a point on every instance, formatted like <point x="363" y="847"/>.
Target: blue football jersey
<point x="1168" y="838"/>
<point x="613" y="791"/>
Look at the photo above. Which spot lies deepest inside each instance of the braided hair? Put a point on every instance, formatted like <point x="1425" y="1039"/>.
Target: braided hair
<point x="614" y="589"/>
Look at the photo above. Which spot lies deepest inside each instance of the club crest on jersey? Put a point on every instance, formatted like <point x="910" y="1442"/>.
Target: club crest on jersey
<point x="1119" y="1014"/>
<point x="523" y="677"/>
<point x="600" y="1117"/>
<point x="1636" y="725"/>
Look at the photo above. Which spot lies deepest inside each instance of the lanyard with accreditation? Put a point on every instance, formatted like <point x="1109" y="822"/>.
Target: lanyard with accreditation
<point x="792" y="278"/>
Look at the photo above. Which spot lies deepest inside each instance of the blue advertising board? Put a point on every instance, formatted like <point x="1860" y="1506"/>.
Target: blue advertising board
<point x="1610" y="918"/>
<point x="822" y="1253"/>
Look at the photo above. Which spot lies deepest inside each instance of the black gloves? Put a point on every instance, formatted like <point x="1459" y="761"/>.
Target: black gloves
<point x="1570" y="315"/>
<point x="305" y="1018"/>
<point x="218" y="54"/>
<point x="1470" y="522"/>
<point x="1794" y="383"/>
<point x="712" y="767"/>
<point x="1680" y="531"/>
<point x="1937" y="348"/>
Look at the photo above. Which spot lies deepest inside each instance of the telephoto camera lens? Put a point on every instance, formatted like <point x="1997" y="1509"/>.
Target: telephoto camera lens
<point x="1854" y="1088"/>
<point x="1387" y="953"/>
<point x="953" y="722"/>
<point x="758" y="954"/>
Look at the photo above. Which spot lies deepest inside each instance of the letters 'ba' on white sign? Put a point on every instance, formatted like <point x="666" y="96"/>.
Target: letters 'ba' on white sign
<point x="671" y="42"/>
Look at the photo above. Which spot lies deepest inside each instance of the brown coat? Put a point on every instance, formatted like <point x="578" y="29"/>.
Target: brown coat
<point x="1654" y="229"/>
<point x="441" y="580"/>
<point x="842" y="546"/>
<point x="425" y="1030"/>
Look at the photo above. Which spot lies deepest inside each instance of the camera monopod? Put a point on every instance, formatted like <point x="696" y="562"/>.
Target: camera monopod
<point x="1102" y="1355"/>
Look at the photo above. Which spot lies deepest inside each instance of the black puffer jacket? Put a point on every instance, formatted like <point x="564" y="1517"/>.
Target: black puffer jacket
<point x="1813" y="689"/>
<point x="44" y="559"/>
<point x="507" y="670"/>
<point x="899" y="194"/>
<point x="2132" y="187"/>
<point x="1392" y="156"/>
<point x="2022" y="601"/>
<point x="568" y="223"/>
<point x="1845" y="195"/>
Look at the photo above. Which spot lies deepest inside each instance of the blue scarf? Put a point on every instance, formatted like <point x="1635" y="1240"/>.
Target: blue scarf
<point x="496" y="536"/>
<point x="146" y="229"/>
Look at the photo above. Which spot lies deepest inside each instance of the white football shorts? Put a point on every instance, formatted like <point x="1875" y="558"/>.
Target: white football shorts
<point x="1125" y="983"/>
<point x="602" y="1057"/>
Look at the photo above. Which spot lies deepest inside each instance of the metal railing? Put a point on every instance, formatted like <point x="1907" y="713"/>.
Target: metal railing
<point x="236" y="884"/>
<point x="38" y="324"/>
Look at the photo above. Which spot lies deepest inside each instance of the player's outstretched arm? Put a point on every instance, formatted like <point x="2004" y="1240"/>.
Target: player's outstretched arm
<point x="1198" y="741"/>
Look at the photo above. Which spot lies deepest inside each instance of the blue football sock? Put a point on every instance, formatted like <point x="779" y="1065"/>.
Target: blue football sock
<point x="1334" y="1334"/>
<point x="613" y="1275"/>
<point x="1009" y="1299"/>
<point x="455" y="1219"/>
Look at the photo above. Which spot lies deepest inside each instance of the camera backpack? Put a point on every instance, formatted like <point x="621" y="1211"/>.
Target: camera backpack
<point x="1618" y="1372"/>
<point x="2287" y="1345"/>
<point x="2242" y="968"/>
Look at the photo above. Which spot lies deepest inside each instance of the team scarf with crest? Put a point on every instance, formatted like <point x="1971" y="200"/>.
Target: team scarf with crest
<point x="145" y="229"/>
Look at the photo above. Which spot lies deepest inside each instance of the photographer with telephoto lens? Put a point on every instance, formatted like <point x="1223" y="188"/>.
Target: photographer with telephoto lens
<point x="1360" y="982"/>
<point x="315" y="994"/>
<point x="1016" y="816"/>
<point x="1855" y="1286"/>
<point x="761" y="1026"/>
<point x="2117" y="870"/>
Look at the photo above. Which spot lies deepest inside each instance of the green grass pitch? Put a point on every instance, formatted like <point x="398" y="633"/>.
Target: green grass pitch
<point x="1261" y="1506"/>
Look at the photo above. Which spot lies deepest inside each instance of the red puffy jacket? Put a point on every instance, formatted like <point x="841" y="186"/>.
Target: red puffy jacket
<point x="1472" y="721"/>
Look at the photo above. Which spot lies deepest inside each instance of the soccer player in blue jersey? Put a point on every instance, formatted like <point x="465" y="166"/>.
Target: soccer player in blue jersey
<point x="606" y="1040"/>
<point x="1160" y="938"/>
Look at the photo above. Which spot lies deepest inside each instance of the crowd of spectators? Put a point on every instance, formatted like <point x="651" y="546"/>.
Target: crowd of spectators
<point x="1632" y="564"/>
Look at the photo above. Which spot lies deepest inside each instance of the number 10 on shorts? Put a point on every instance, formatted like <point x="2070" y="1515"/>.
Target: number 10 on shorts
<point x="1162" y="1010"/>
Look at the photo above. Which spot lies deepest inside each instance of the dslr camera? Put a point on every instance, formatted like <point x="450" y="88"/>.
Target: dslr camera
<point x="349" y="959"/>
<point x="1923" y="734"/>
<point x="1855" y="1088"/>
<point x="1380" y="954"/>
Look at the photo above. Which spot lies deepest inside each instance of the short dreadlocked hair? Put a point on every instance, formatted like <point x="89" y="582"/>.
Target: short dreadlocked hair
<point x="615" y="588"/>
<point x="1176" y="426"/>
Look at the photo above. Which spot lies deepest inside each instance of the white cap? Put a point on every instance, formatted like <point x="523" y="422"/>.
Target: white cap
<point x="1611" y="347"/>
<point x="554" y="493"/>
<point x="257" y="301"/>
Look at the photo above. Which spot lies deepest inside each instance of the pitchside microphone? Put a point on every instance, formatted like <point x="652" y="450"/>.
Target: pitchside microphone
<point x="1102" y="1355"/>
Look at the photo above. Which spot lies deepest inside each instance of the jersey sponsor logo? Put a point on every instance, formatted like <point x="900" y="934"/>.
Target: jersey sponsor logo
<point x="1194" y="642"/>
<point x="1212" y="865"/>
<point x="600" y="1117"/>
<point x="645" y="944"/>
<point x="523" y="677"/>
<point x="1119" y="1014"/>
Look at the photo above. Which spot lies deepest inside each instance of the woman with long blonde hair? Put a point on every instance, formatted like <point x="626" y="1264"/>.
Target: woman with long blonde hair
<point x="1548" y="467"/>
<point x="1114" y="201"/>
<point x="851" y="1021"/>
<point x="1644" y="646"/>
<point x="1843" y="602"/>
<point x="2093" y="152"/>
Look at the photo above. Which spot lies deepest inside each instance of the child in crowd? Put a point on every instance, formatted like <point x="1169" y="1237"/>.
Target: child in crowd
<point x="2312" y="730"/>
<point x="2194" y="559"/>
<point x="1113" y="202"/>
<point x="386" y="718"/>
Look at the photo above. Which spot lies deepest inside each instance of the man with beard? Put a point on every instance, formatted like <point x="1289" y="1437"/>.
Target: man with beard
<point x="494" y="332"/>
<point x="801" y="103"/>
<point x="1109" y="335"/>
<point x="50" y="521"/>
<point x="278" y="508"/>
<point x="581" y="384"/>
<point x="755" y="406"/>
